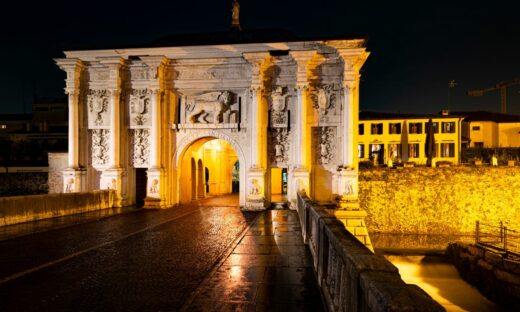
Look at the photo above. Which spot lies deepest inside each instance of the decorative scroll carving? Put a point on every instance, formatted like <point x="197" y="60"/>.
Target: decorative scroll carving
<point x="209" y="107"/>
<point x="98" y="107"/>
<point x="141" y="144"/>
<point x="279" y="107"/>
<point x="279" y="147"/>
<point x="326" y="147"/>
<point x="100" y="147"/>
<point x="140" y="107"/>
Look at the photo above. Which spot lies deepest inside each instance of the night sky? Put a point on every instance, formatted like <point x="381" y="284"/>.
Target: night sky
<point x="416" y="46"/>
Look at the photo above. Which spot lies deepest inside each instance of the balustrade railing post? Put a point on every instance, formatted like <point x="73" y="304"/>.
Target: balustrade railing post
<point x="477" y="232"/>
<point x="501" y="232"/>
<point x="505" y="239"/>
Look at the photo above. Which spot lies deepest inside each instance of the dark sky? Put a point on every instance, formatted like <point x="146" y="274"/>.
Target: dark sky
<point x="416" y="46"/>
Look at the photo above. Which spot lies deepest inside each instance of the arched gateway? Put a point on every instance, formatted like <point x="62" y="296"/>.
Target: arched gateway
<point x="288" y="109"/>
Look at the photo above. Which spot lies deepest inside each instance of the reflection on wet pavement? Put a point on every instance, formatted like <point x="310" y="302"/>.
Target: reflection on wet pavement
<point x="269" y="270"/>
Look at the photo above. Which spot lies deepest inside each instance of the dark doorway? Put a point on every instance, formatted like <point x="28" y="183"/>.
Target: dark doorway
<point x="206" y="171"/>
<point x="140" y="187"/>
<point x="235" y="178"/>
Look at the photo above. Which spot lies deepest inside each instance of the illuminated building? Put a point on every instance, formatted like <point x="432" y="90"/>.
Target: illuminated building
<point x="401" y="137"/>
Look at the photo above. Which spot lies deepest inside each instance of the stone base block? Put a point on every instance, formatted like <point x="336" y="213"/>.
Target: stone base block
<point x="74" y="180"/>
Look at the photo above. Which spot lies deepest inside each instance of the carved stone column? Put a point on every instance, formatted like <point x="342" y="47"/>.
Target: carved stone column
<point x="74" y="176"/>
<point x="155" y="173"/>
<point x="256" y="173"/>
<point x="299" y="175"/>
<point x="157" y="86"/>
<point x="113" y="176"/>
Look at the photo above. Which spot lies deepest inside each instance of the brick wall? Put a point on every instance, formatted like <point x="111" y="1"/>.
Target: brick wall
<point x="439" y="200"/>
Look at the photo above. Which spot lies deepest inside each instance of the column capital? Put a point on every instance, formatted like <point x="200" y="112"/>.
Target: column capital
<point x="302" y="59"/>
<point x="353" y="60"/>
<point x="74" y="69"/>
<point x="259" y="61"/>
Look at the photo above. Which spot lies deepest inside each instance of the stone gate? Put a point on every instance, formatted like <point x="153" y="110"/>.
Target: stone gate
<point x="291" y="105"/>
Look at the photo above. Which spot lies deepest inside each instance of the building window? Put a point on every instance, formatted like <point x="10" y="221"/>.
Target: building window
<point x="447" y="149"/>
<point x="361" y="150"/>
<point x="415" y="128"/>
<point x="394" y="128"/>
<point x="413" y="150"/>
<point x="3" y="126"/>
<point x="479" y="144"/>
<point x="361" y="129"/>
<point x="394" y="151"/>
<point x="376" y="128"/>
<point x="475" y="128"/>
<point x="448" y="127"/>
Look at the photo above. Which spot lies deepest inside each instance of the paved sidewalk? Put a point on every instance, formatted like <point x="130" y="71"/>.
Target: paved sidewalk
<point x="270" y="269"/>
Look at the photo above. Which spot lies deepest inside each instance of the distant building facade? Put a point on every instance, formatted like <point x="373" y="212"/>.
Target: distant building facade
<point x="401" y="137"/>
<point x="491" y="130"/>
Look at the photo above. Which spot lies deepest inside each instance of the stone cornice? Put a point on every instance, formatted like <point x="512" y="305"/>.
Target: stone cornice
<point x="302" y="59"/>
<point x="259" y="62"/>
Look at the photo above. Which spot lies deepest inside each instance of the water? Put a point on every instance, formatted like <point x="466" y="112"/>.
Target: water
<point x="442" y="282"/>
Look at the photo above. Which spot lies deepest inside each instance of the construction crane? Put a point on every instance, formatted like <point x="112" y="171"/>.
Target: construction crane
<point x="502" y="86"/>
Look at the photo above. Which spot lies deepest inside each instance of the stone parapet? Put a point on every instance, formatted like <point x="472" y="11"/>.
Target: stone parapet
<point x="350" y="276"/>
<point x="19" y="209"/>
<point x="497" y="277"/>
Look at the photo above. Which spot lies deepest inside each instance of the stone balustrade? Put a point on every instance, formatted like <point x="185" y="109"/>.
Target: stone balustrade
<point x="18" y="209"/>
<point x="350" y="276"/>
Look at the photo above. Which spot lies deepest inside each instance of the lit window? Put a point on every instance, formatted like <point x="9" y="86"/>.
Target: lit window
<point x="435" y="127"/>
<point x="413" y="150"/>
<point x="415" y="128"/>
<point x="3" y="126"/>
<point x="475" y="128"/>
<point x="376" y="128"/>
<point x="479" y="144"/>
<point x="447" y="149"/>
<point x="361" y="150"/>
<point x="394" y="151"/>
<point x="394" y="128"/>
<point x="448" y="127"/>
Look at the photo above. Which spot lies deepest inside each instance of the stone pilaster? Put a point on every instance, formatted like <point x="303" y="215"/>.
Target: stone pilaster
<point x="299" y="175"/>
<point x="258" y="133"/>
<point x="156" y="178"/>
<point x="74" y="176"/>
<point x="112" y="177"/>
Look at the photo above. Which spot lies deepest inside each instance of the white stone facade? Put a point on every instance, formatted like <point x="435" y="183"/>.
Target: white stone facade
<point x="294" y="108"/>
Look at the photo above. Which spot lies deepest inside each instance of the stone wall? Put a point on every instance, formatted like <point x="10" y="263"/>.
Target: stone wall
<point x="350" y="276"/>
<point x="23" y="183"/>
<point x="495" y="276"/>
<point x="57" y="163"/>
<point x="18" y="209"/>
<point x="439" y="200"/>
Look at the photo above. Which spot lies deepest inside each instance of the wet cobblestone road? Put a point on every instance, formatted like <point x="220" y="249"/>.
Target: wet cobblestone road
<point x="203" y="257"/>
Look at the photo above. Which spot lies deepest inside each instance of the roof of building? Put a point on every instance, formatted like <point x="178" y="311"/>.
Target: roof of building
<point x="231" y="36"/>
<point x="379" y="115"/>
<point x="489" y="116"/>
<point x="15" y="117"/>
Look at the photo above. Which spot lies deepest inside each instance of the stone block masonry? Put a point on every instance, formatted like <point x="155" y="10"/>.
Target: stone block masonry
<point x="495" y="276"/>
<point x="449" y="200"/>
<point x="18" y="209"/>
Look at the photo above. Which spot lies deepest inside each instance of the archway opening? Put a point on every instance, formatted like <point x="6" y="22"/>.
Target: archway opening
<point x="207" y="170"/>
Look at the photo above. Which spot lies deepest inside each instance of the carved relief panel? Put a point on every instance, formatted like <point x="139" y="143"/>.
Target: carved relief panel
<point x="140" y="107"/>
<point x="98" y="108"/>
<point x="326" y="101"/>
<point x="324" y="141"/>
<point x="279" y="102"/>
<point x="279" y="147"/>
<point x="214" y="107"/>
<point x="141" y="147"/>
<point x="100" y="147"/>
